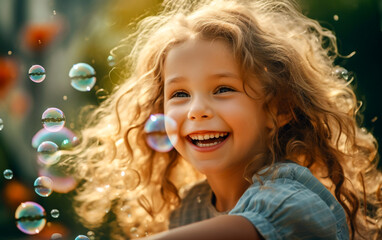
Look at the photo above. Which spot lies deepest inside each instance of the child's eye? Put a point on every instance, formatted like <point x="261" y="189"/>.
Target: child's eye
<point x="224" y="89"/>
<point x="179" y="94"/>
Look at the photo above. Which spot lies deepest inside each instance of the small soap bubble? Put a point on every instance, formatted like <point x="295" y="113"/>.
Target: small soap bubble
<point x="341" y="73"/>
<point x="30" y="217"/>
<point x="83" y="77"/>
<point x="1" y="124"/>
<point x="56" y="236"/>
<point x="8" y="174"/>
<point x="37" y="73"/>
<point x="111" y="60"/>
<point x="55" y="213"/>
<point x="47" y="153"/>
<point x="82" y="237"/>
<point x="91" y="235"/>
<point x="102" y="94"/>
<point x="65" y="98"/>
<point x="161" y="132"/>
<point x="335" y="17"/>
<point x="53" y="119"/>
<point x="43" y="186"/>
<point x="54" y="12"/>
<point x="9" y="53"/>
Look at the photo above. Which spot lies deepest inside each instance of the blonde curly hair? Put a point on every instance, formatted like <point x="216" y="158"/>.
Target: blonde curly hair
<point x="293" y="58"/>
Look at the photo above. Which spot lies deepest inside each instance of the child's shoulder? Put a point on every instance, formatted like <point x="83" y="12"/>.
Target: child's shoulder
<point x="287" y="198"/>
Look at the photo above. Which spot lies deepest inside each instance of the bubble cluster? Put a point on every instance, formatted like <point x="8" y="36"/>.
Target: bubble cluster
<point x="161" y="132"/>
<point x="64" y="138"/>
<point x="47" y="153"/>
<point x="82" y="237"/>
<point x="37" y="73"/>
<point x="82" y="77"/>
<point x="43" y="186"/>
<point x="8" y="174"/>
<point x="55" y="213"/>
<point x="30" y="217"/>
<point x="53" y="119"/>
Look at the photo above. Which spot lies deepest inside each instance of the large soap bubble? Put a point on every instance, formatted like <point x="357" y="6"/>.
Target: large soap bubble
<point x="30" y="217"/>
<point x="43" y="186"/>
<point x="36" y="73"/>
<point x="161" y="132"/>
<point x="83" y="77"/>
<point x="53" y="119"/>
<point x="47" y="153"/>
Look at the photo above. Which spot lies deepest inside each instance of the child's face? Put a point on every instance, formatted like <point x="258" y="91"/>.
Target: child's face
<point x="204" y="94"/>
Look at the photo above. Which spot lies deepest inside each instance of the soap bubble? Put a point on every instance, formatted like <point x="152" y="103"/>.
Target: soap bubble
<point x="55" y="213"/>
<point x="341" y="73"/>
<point x="101" y="94"/>
<point x="53" y="119"/>
<point x="161" y="132"/>
<point x="36" y="73"/>
<point x="30" y="217"/>
<point x="91" y="235"/>
<point x="56" y="236"/>
<point x="111" y="60"/>
<point x="47" y="153"/>
<point x="82" y="76"/>
<point x="43" y="186"/>
<point x="1" y="124"/>
<point x="82" y="237"/>
<point x="8" y="174"/>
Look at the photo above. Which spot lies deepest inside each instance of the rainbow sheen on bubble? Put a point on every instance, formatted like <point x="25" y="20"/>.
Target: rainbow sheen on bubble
<point x="30" y="217"/>
<point x="37" y="73"/>
<point x="53" y="119"/>
<point x="43" y="186"/>
<point x="83" y="77"/>
<point x="47" y="153"/>
<point x="82" y="237"/>
<point x="8" y="174"/>
<point x="161" y="132"/>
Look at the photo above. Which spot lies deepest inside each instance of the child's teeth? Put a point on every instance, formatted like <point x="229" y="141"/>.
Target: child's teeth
<point x="206" y="144"/>
<point x="207" y="136"/>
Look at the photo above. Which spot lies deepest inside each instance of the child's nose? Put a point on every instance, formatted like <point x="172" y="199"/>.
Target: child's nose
<point x="199" y="110"/>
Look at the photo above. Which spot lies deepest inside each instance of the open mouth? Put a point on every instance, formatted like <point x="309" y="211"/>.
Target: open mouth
<point x="207" y="139"/>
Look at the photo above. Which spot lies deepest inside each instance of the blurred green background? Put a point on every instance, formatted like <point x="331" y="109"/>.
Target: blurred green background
<point x="57" y="34"/>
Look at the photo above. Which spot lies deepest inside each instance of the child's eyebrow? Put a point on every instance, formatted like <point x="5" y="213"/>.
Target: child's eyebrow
<point x="219" y="75"/>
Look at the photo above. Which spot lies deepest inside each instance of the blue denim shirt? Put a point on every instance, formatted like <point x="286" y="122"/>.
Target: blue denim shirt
<point x="292" y="204"/>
